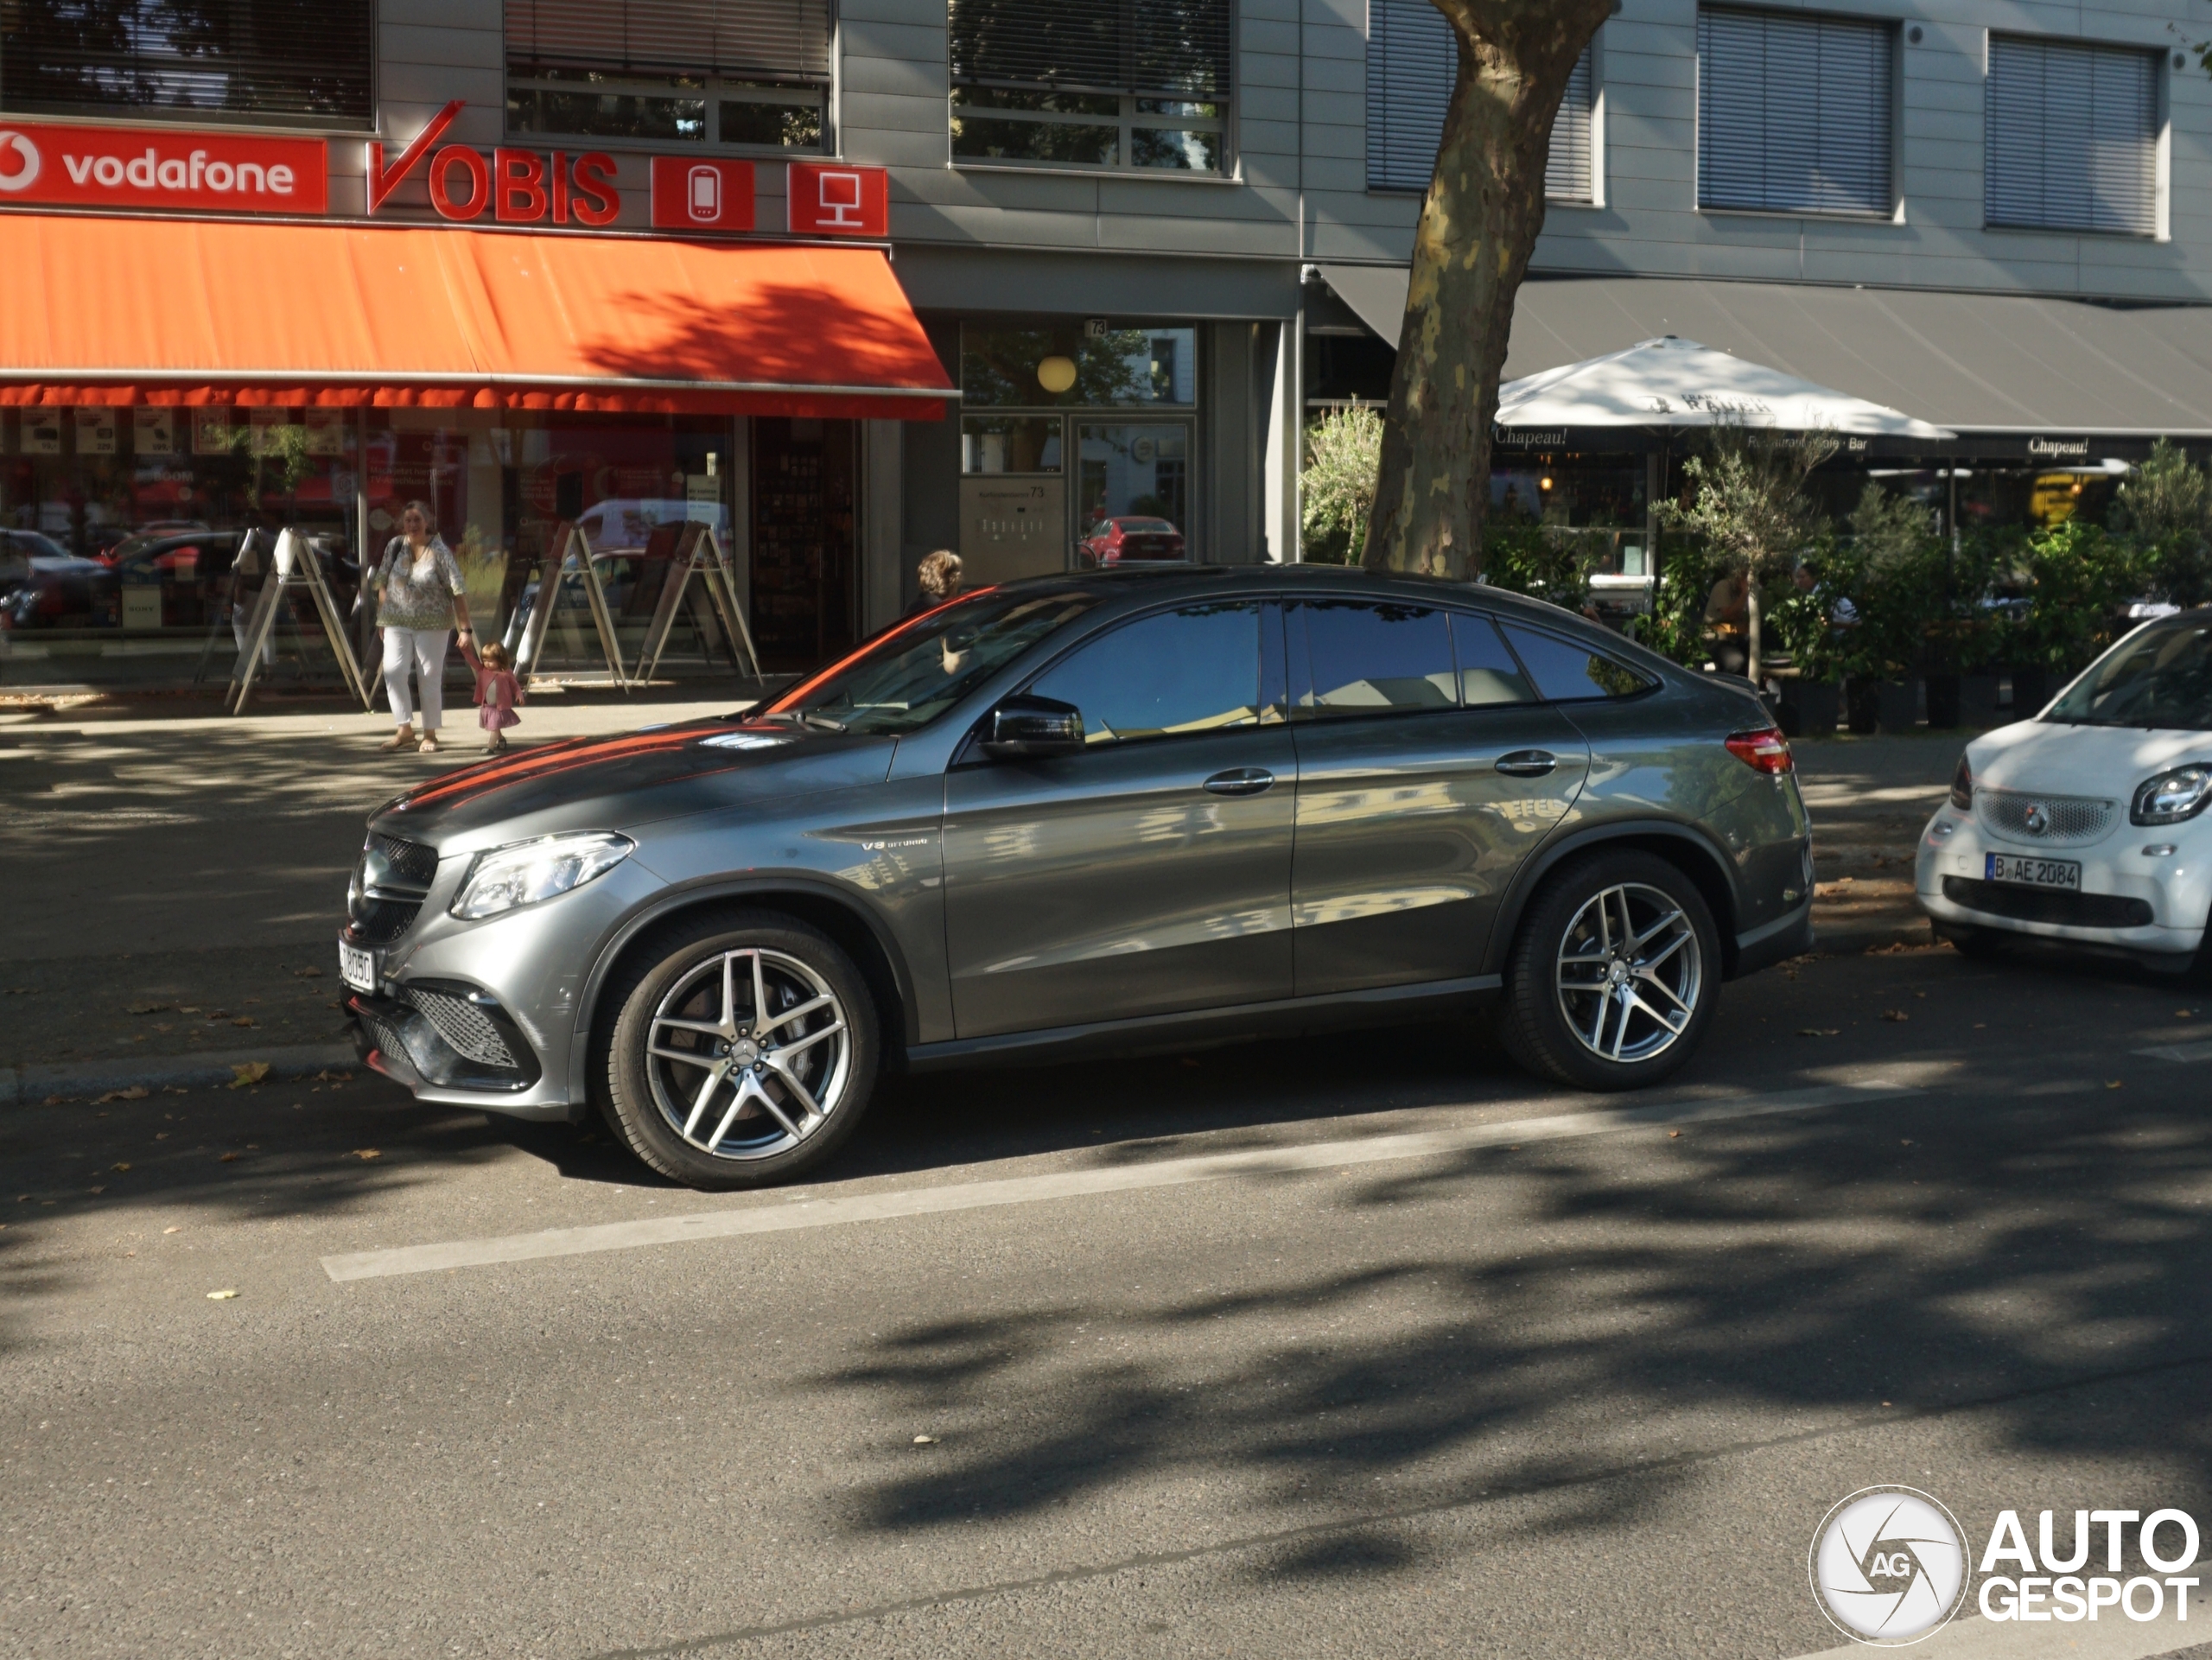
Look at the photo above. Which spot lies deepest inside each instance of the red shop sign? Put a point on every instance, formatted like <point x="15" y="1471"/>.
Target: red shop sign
<point x="142" y="167"/>
<point x="518" y="186"/>
<point x="701" y="195"/>
<point x="826" y="199"/>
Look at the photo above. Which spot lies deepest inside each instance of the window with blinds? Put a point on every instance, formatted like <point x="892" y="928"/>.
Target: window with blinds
<point x="1136" y="84"/>
<point x="2070" y="137"/>
<point x="1793" y="112"/>
<point x="1412" y="60"/>
<point x="717" y="72"/>
<point x="280" y="62"/>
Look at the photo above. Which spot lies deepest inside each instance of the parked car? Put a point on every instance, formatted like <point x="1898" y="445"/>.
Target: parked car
<point x="1085" y="814"/>
<point x="2086" y="824"/>
<point x="41" y="586"/>
<point x="1130" y="541"/>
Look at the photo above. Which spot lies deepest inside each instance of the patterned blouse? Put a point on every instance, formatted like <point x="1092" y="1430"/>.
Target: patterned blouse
<point x="417" y="594"/>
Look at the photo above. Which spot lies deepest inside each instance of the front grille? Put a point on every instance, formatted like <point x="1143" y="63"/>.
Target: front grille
<point x="380" y="922"/>
<point x="384" y="1036"/>
<point x="2048" y="905"/>
<point x="413" y="864"/>
<point x="2066" y="820"/>
<point x="464" y="1026"/>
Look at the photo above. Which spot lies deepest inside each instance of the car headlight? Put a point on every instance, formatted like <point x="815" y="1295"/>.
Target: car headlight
<point x="1962" y="787"/>
<point x="2172" y="797"/>
<point x="530" y="871"/>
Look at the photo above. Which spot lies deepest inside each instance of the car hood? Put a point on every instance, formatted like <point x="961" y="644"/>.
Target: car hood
<point x="621" y="783"/>
<point x="2104" y="761"/>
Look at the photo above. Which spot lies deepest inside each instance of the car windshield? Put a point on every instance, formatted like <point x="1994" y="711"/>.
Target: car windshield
<point x="1147" y="526"/>
<point x="2160" y="678"/>
<point x="920" y="669"/>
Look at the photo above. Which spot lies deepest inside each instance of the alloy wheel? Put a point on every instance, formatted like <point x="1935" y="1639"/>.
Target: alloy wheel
<point x="749" y="1054"/>
<point x="1630" y="973"/>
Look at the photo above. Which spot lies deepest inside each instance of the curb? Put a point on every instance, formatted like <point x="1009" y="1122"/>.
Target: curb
<point x="27" y="1085"/>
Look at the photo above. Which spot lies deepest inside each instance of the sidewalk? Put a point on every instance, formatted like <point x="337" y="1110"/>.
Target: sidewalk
<point x="177" y="882"/>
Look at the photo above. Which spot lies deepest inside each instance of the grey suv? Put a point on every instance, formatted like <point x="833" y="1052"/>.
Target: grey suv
<point x="1085" y="814"/>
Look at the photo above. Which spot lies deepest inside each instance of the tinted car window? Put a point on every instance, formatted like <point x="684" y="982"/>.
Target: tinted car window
<point x="1371" y="655"/>
<point x="1195" y="670"/>
<point x="1488" y="674"/>
<point x="1566" y="672"/>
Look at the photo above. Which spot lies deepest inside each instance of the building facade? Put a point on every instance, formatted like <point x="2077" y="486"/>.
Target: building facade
<point x="1144" y="244"/>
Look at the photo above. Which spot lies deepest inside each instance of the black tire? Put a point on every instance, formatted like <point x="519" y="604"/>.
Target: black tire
<point x="1532" y="1019"/>
<point x="761" y="1142"/>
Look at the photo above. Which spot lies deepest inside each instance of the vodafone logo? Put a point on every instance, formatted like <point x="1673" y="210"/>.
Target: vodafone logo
<point x="19" y="162"/>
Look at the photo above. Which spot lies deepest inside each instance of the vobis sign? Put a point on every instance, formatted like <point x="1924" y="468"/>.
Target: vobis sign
<point x="47" y="165"/>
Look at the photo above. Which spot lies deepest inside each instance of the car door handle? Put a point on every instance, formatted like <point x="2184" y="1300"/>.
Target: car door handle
<point x="1241" y="780"/>
<point x="1526" y="763"/>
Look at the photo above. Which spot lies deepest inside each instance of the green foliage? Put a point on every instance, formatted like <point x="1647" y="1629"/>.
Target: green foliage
<point x="2079" y="578"/>
<point x="1688" y="570"/>
<point x="1748" y="502"/>
<point x="2167" y="507"/>
<point x="1337" y="491"/>
<point x="1532" y="559"/>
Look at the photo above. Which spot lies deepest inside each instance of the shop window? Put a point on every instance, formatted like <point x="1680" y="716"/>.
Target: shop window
<point x="1143" y="87"/>
<point x="285" y="63"/>
<point x="803" y="482"/>
<point x="1133" y="488"/>
<point x="734" y="72"/>
<point x="1793" y="112"/>
<point x="1066" y="366"/>
<point x="1010" y="443"/>
<point x="1413" y="60"/>
<point x="1187" y="672"/>
<point x="2070" y="137"/>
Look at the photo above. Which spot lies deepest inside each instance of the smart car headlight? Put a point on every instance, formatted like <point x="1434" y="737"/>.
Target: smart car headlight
<point x="2172" y="797"/>
<point x="527" y="872"/>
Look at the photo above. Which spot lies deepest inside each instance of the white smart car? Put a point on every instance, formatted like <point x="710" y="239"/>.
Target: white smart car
<point x="2087" y="824"/>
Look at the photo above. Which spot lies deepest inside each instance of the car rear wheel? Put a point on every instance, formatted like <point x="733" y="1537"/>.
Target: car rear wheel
<point x="744" y="1051"/>
<point x="1614" y="976"/>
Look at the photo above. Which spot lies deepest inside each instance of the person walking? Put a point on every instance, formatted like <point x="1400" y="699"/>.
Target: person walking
<point x="420" y="599"/>
<point x="939" y="578"/>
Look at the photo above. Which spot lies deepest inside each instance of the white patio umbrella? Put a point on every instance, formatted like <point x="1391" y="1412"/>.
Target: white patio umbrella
<point x="1672" y="383"/>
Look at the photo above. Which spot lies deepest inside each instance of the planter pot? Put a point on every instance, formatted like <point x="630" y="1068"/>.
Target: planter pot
<point x="1862" y="707"/>
<point x="1977" y="700"/>
<point x="1809" y="708"/>
<point x="1897" y="704"/>
<point x="1942" y="700"/>
<point x="2030" y="691"/>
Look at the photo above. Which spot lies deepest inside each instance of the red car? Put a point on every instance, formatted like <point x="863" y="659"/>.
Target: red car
<point x="1131" y="541"/>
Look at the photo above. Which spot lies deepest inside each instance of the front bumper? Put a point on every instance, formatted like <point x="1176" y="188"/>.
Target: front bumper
<point x="2152" y="909"/>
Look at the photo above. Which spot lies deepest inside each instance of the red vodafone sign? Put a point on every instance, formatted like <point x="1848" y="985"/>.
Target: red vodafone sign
<point x="142" y="167"/>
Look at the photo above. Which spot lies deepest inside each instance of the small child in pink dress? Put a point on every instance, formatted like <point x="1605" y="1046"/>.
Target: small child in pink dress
<point x="497" y="691"/>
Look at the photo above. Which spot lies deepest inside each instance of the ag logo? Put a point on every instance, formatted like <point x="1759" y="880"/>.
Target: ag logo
<point x="19" y="162"/>
<point x="1889" y="1566"/>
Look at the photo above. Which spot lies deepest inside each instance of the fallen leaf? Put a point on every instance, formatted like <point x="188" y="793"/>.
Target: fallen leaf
<point x="2184" y="1014"/>
<point x="365" y="1154"/>
<point x="1818" y="1031"/>
<point x="1895" y="1015"/>
<point x="225" y="1296"/>
<point x="118" y="1169"/>
<point x="148" y="1008"/>
<point x="136" y="1092"/>
<point x="1674" y="1134"/>
<point x="1885" y="1404"/>
<point x="57" y="1101"/>
<point x="187" y="1008"/>
<point x="245" y="1020"/>
<point x="96" y="1191"/>
<point x="2114" y="1084"/>
<point x="1904" y="1143"/>
<point x="229" y="1158"/>
<point x="926" y="1440"/>
<point x="308" y="974"/>
<point x="249" y="1071"/>
<point x="173" y="1230"/>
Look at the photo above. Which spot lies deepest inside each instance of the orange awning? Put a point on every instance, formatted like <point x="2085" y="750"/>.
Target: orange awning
<point x="121" y="311"/>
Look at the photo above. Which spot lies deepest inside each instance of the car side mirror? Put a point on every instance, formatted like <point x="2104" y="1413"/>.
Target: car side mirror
<point x="1026" y="727"/>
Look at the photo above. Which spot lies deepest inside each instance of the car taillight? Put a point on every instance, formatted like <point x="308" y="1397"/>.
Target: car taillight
<point x="1962" y="787"/>
<point x="1766" y="751"/>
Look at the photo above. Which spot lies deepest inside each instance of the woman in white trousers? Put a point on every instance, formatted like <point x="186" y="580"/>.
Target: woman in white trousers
<point x="420" y="599"/>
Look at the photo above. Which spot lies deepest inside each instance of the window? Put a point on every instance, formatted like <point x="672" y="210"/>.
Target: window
<point x="1565" y="673"/>
<point x="1488" y="675"/>
<point x="1142" y="84"/>
<point x="1793" y="113"/>
<point x="1195" y="670"/>
<point x="705" y="72"/>
<point x="284" y="62"/>
<point x="1412" y="60"/>
<point x="1370" y="656"/>
<point x="2070" y="137"/>
<point x="1009" y="367"/>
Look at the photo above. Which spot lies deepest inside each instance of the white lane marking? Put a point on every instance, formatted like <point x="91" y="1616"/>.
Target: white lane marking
<point x="2179" y="1051"/>
<point x="2110" y="1637"/>
<point x="1067" y="1184"/>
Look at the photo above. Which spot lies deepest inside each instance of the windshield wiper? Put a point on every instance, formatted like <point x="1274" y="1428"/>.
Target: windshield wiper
<point x="822" y="721"/>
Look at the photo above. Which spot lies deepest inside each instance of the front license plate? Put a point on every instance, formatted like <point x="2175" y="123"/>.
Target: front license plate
<point x="357" y="968"/>
<point x="2032" y="873"/>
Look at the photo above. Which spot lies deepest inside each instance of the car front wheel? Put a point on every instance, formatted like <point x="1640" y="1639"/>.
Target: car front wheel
<point x="1613" y="979"/>
<point x="744" y="1051"/>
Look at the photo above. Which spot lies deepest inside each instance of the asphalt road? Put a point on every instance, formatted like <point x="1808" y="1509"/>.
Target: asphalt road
<point x="1362" y="1348"/>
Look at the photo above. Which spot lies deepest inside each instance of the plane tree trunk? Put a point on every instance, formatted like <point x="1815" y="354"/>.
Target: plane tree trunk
<point x="1479" y="225"/>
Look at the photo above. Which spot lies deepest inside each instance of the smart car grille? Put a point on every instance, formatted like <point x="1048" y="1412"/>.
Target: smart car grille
<point x="464" y="1026"/>
<point x="2048" y="905"/>
<point x="2046" y="820"/>
<point x="378" y="922"/>
<point x="411" y="862"/>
